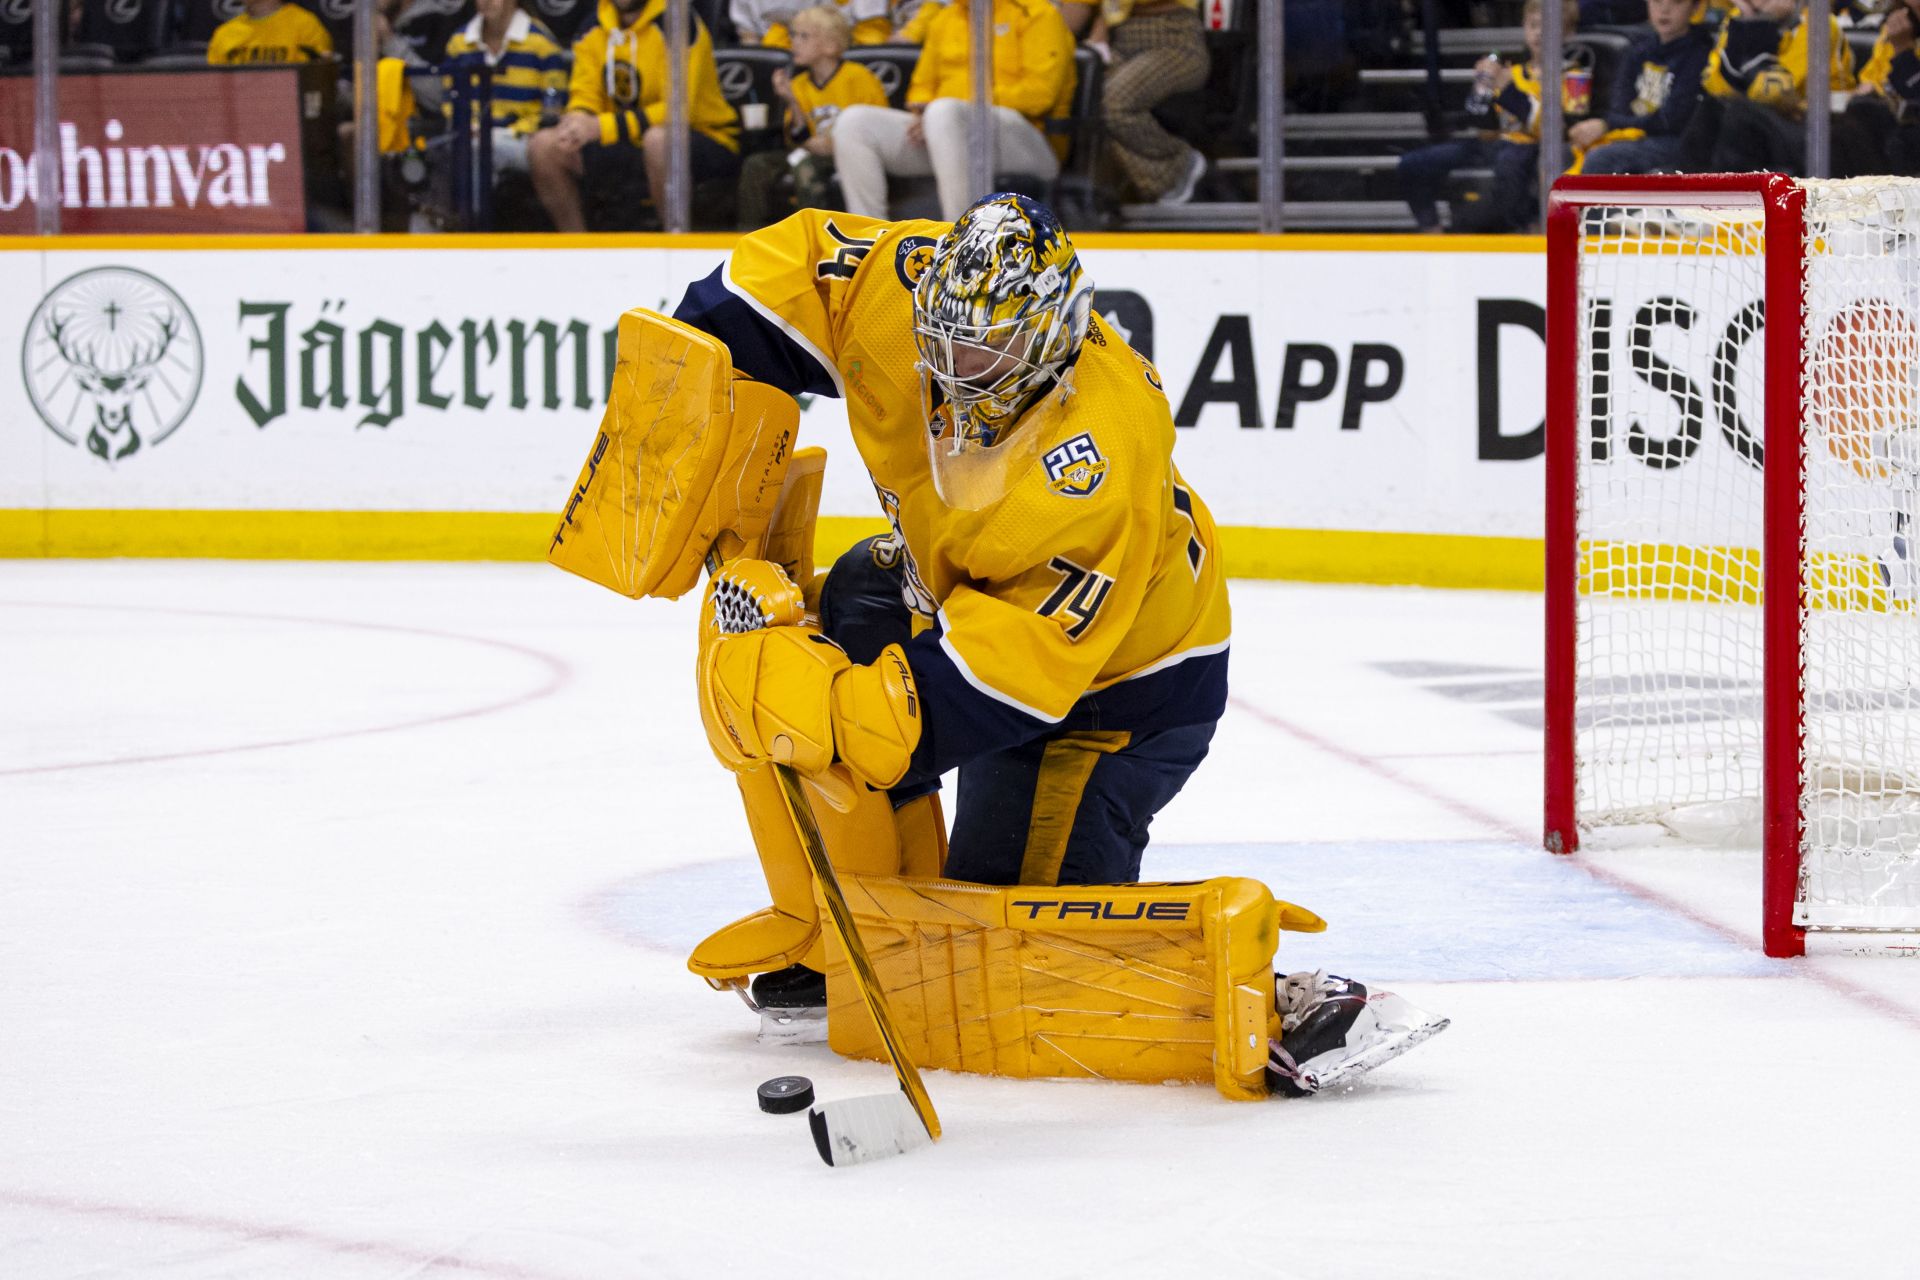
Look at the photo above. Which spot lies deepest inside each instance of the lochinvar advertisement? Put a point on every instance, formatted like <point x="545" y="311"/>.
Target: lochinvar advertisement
<point x="211" y="151"/>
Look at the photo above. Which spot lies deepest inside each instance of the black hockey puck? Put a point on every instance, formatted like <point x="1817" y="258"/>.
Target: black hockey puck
<point x="785" y="1094"/>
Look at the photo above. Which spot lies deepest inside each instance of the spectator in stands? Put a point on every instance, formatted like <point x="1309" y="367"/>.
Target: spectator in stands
<point x="872" y="19"/>
<point x="1880" y="130"/>
<point x="755" y="20"/>
<point x="1153" y="50"/>
<point x="612" y="140"/>
<point x="1756" y="99"/>
<point x="769" y="22"/>
<point x="1505" y="109"/>
<point x="428" y="25"/>
<point x="269" y="31"/>
<point x="822" y="85"/>
<point x="1032" y="83"/>
<point x="401" y="79"/>
<point x="1655" y="90"/>
<point x="529" y="72"/>
<point x="911" y="18"/>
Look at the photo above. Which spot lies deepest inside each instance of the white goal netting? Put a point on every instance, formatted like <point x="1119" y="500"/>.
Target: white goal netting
<point x="1670" y="643"/>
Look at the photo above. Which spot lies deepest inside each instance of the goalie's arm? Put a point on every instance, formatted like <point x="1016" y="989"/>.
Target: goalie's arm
<point x="762" y="348"/>
<point x="775" y="299"/>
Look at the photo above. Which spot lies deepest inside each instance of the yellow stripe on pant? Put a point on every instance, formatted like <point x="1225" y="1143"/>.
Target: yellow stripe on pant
<point x="1065" y="767"/>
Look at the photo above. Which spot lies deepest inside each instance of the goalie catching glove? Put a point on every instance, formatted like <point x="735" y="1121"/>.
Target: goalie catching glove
<point x="787" y="694"/>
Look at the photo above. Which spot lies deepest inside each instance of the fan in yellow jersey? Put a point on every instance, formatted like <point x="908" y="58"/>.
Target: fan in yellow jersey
<point x="1756" y="90"/>
<point x="768" y="22"/>
<point x="1880" y="129"/>
<point x="609" y="140"/>
<point x="269" y="32"/>
<point x="1033" y="81"/>
<point x="822" y="84"/>
<point x="912" y="19"/>
<point x="1048" y="614"/>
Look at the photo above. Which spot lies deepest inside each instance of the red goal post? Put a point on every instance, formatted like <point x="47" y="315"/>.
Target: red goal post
<point x="1732" y="470"/>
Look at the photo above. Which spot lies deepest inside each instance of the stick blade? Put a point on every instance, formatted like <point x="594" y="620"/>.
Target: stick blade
<point x="856" y="1130"/>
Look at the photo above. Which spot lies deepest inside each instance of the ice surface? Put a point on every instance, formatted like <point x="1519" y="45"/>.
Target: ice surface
<point x="343" y="911"/>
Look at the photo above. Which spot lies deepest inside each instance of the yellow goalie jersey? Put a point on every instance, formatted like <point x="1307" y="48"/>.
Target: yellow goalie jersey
<point x="1090" y="596"/>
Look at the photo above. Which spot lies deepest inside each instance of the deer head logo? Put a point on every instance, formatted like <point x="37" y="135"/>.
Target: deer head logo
<point x="112" y="361"/>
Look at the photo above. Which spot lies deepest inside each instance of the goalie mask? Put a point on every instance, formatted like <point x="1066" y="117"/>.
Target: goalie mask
<point x="998" y="317"/>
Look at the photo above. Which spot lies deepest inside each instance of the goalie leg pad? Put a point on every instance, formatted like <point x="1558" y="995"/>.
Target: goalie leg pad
<point x="1144" y="982"/>
<point x="923" y="837"/>
<point x="784" y="933"/>
<point x="864" y="840"/>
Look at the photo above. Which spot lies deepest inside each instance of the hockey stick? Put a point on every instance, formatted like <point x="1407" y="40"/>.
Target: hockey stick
<point x="856" y="1130"/>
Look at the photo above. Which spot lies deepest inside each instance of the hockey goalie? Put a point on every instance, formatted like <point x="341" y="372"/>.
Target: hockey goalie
<point x="1047" y="616"/>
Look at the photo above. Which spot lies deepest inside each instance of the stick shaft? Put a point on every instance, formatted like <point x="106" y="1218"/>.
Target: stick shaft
<point x="840" y="916"/>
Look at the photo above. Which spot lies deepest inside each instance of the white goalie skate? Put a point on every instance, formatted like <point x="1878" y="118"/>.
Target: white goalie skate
<point x="1333" y="1030"/>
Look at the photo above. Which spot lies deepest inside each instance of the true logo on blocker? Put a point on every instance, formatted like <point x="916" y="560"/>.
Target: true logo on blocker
<point x="113" y="360"/>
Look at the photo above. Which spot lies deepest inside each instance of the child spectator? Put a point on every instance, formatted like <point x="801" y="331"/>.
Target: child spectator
<point x="528" y="68"/>
<point x="1880" y="130"/>
<point x="1032" y="83"/>
<point x="1756" y="83"/>
<point x="1506" y="110"/>
<point x="1154" y="50"/>
<point x="769" y="22"/>
<point x="613" y="140"/>
<point x="1654" y="93"/>
<point x="269" y="31"/>
<point x="822" y="85"/>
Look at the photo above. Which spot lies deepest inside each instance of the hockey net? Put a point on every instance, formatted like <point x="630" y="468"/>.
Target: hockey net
<point x="1733" y="475"/>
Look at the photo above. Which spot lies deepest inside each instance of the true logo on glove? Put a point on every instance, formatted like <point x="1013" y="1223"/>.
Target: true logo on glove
<point x="906" y="677"/>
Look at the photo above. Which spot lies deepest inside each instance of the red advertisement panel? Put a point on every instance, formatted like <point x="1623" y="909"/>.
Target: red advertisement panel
<point x="160" y="152"/>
